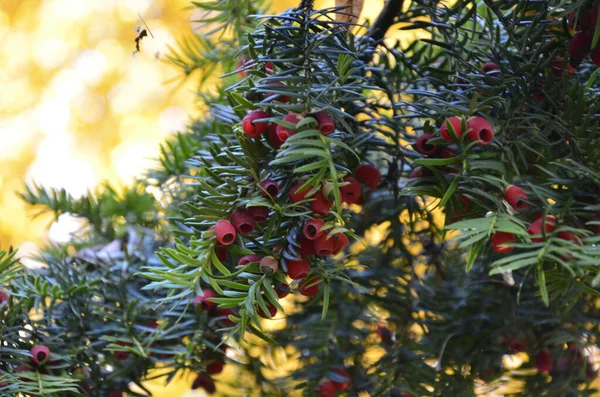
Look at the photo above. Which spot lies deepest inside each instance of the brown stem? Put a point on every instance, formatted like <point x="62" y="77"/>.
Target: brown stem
<point x="385" y="19"/>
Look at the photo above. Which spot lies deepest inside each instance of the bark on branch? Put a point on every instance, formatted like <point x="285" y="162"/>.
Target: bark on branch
<point x="385" y="19"/>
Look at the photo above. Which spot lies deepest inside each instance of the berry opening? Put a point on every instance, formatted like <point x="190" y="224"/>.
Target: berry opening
<point x="228" y="238"/>
<point x="283" y="135"/>
<point x="272" y="190"/>
<point x="486" y="136"/>
<point x="41" y="356"/>
<point x="324" y="252"/>
<point x="246" y="228"/>
<point x="312" y="230"/>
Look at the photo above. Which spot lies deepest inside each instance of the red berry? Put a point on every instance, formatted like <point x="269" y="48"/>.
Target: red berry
<point x="489" y="67"/>
<point x="481" y="130"/>
<point x="298" y="269"/>
<point x="243" y="64"/>
<point x="456" y="123"/>
<point x="312" y="229"/>
<point x="203" y="301"/>
<point x="579" y="46"/>
<point x="214" y="368"/>
<point x="535" y="229"/>
<point x="515" y="196"/>
<point x="326" y="389"/>
<point x="499" y="238"/>
<point x="341" y="241"/>
<point x="122" y="355"/>
<point x="204" y="382"/>
<point x="221" y="252"/>
<point x="115" y="393"/>
<point x="325" y="246"/>
<point x="272" y="136"/>
<point x="351" y="192"/>
<point x="225" y="232"/>
<point x="447" y="153"/>
<point x="259" y="213"/>
<point x="298" y="195"/>
<point x="516" y="346"/>
<point x="242" y="221"/>
<point x="269" y="188"/>
<point x="595" y="56"/>
<point x="419" y="173"/>
<point x="278" y="97"/>
<point x="558" y="66"/>
<point x="282" y="290"/>
<point x="566" y="235"/>
<point x="310" y="287"/>
<point x="368" y="174"/>
<point x="325" y="123"/>
<point x="543" y="361"/>
<point x="320" y="205"/>
<point x="225" y="313"/>
<point x="283" y="132"/>
<point x="40" y="354"/>
<point x="424" y="147"/>
<point x="3" y="297"/>
<point x="244" y="260"/>
<point x="306" y="246"/>
<point x="343" y="381"/>
<point x="269" y="265"/>
<point x="272" y="311"/>
<point x="251" y="127"/>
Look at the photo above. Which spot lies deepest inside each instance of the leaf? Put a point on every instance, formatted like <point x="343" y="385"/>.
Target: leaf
<point x="472" y="254"/>
<point x="353" y="8"/>
<point x="541" y="279"/>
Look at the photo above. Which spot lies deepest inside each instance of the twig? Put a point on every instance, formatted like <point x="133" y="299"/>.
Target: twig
<point x="385" y="19"/>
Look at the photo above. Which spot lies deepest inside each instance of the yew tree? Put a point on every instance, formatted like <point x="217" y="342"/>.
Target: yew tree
<point x="353" y="215"/>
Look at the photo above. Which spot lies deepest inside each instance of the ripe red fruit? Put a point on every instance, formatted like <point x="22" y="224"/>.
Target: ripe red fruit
<point x="283" y="132"/>
<point x="535" y="228"/>
<point x="419" y="173"/>
<point x="306" y="246"/>
<point x="341" y="241"/>
<point x="214" y="368"/>
<point x="282" y="290"/>
<point x="259" y="213"/>
<point x="312" y="229"/>
<point x="272" y="311"/>
<point x="543" y="361"/>
<point x="566" y="235"/>
<point x="115" y="393"/>
<point x="325" y="246"/>
<point x="515" y="196"/>
<point x="456" y="123"/>
<point x="244" y="260"/>
<point x="424" y="147"/>
<point x="499" y="238"/>
<point x="122" y="355"/>
<point x="310" y="287"/>
<point x="269" y="265"/>
<point x="272" y="136"/>
<point x="225" y="313"/>
<point x="447" y="153"/>
<point x="204" y="382"/>
<point x="40" y="354"/>
<point x="558" y="67"/>
<point x="298" y="269"/>
<point x="3" y="297"/>
<point x="296" y="195"/>
<point x="221" y="252"/>
<point x="351" y="192"/>
<point x="326" y="389"/>
<point x="325" y="123"/>
<point x="251" y="127"/>
<point x="516" y="346"/>
<point x="278" y="97"/>
<point x="368" y="174"/>
<point x="481" y="130"/>
<point x="489" y="67"/>
<point x="320" y="205"/>
<point x="269" y="188"/>
<point x="203" y="301"/>
<point x="242" y="221"/>
<point x="243" y="64"/>
<point x="342" y="381"/>
<point x="595" y="56"/>
<point x="579" y="46"/>
<point x="225" y="232"/>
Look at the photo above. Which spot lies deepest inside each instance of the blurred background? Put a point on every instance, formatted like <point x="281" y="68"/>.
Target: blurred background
<point x="77" y="107"/>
